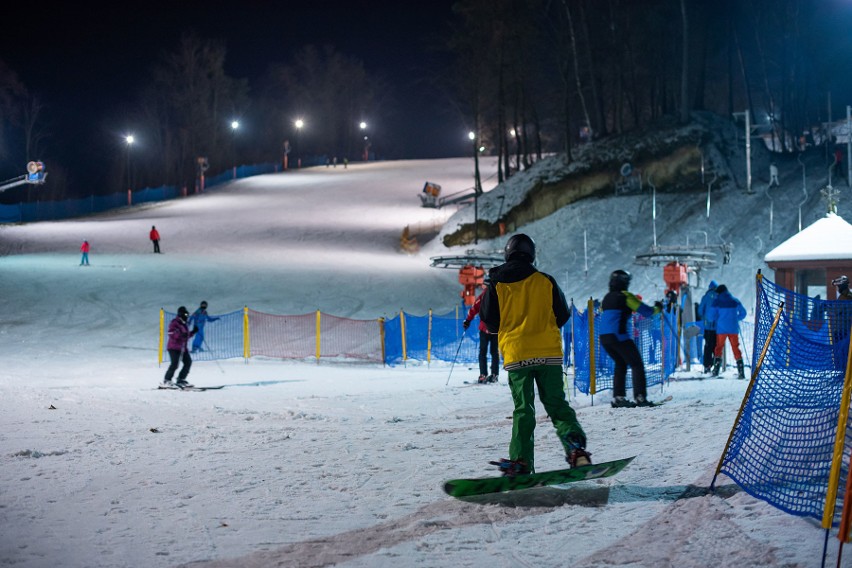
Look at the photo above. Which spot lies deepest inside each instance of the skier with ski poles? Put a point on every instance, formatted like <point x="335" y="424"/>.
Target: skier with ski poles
<point x="487" y="343"/>
<point x="197" y="321"/>
<point x="526" y="309"/>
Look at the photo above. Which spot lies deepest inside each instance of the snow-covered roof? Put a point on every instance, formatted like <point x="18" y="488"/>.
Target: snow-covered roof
<point x="830" y="238"/>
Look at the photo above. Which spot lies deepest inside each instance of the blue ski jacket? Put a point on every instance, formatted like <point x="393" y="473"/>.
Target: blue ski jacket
<point x="726" y="313"/>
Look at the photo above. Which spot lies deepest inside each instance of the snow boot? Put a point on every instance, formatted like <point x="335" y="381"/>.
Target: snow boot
<point x="183" y="384"/>
<point x="578" y="457"/>
<point x="512" y="468"/>
<point x="482" y="379"/>
<point x="740" y="369"/>
<point x="717" y="364"/>
<point x="491" y="378"/>
<point x="622" y="402"/>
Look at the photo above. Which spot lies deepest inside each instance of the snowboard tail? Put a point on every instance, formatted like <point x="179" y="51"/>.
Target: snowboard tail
<point x="485" y="485"/>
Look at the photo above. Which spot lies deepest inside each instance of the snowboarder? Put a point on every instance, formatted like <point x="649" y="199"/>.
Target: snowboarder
<point x="84" y="248"/>
<point x="773" y="175"/>
<point x="198" y="320"/>
<point x="617" y="307"/>
<point x="526" y="309"/>
<point x="709" y="326"/>
<point x="487" y="343"/>
<point x="726" y="312"/>
<point x="179" y="335"/>
<point x="154" y="235"/>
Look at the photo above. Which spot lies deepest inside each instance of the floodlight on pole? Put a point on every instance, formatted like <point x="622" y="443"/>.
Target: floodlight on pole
<point x="235" y="124"/>
<point x="129" y="139"/>
<point x="299" y="124"/>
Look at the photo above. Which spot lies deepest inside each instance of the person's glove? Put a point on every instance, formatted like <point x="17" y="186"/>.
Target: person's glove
<point x="194" y="330"/>
<point x="466" y="324"/>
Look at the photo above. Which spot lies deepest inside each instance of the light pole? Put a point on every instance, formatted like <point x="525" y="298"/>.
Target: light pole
<point x="130" y="140"/>
<point x="235" y="124"/>
<point x="299" y="124"/>
<point x="477" y="186"/>
<point x="363" y="127"/>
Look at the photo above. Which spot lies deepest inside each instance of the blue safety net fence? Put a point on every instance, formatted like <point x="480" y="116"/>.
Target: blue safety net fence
<point x="440" y="337"/>
<point x="70" y="208"/>
<point x="783" y="444"/>
<point x="656" y="338"/>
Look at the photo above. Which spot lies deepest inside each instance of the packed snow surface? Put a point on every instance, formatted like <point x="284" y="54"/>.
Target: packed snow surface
<point x="296" y="463"/>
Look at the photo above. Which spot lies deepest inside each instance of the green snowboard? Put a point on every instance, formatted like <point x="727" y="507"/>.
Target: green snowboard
<point x="481" y="486"/>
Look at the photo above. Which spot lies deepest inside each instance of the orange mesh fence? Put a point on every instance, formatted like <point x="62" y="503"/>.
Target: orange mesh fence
<point x="286" y="337"/>
<point x="344" y="337"/>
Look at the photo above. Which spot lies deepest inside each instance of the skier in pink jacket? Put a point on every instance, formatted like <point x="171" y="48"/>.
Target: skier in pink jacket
<point x="179" y="335"/>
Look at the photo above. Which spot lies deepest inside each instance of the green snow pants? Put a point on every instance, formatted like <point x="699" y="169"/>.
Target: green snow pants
<point x="548" y="379"/>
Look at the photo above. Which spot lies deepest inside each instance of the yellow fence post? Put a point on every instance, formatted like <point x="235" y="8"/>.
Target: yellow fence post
<point x="162" y="331"/>
<point x="590" y="312"/>
<point x="246" y="337"/>
<point x="429" y="340"/>
<point x="402" y="329"/>
<point x="319" y="342"/>
<point x="382" y="336"/>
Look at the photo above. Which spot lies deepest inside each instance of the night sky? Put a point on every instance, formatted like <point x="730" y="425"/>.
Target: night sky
<point x="86" y="61"/>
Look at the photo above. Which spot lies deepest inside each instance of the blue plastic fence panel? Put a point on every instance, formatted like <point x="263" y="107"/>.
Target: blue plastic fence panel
<point x="781" y="450"/>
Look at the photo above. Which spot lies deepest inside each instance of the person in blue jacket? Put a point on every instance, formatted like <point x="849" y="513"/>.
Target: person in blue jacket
<point x="199" y="319"/>
<point x="616" y="309"/>
<point x="709" y="326"/>
<point x="726" y="313"/>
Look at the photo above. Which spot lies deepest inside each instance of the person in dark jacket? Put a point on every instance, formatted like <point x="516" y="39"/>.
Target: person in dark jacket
<point x="197" y="321"/>
<point x="709" y="326"/>
<point x="616" y="309"/>
<point x="526" y="309"/>
<point x="487" y="343"/>
<point x="726" y="313"/>
<point x="179" y="335"/>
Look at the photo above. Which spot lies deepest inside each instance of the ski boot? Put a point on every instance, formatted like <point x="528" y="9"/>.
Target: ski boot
<point x="167" y="384"/>
<point x="717" y="364"/>
<point x="512" y="468"/>
<point x="641" y="400"/>
<point x="740" y="369"/>
<point x="491" y="378"/>
<point x="482" y="379"/>
<point x="622" y="402"/>
<point x="183" y="384"/>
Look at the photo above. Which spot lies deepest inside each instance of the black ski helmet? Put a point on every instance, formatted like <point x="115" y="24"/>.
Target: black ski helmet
<point x="841" y="282"/>
<point x="203" y="304"/>
<point x="183" y="313"/>
<point x="520" y="247"/>
<point x="619" y="280"/>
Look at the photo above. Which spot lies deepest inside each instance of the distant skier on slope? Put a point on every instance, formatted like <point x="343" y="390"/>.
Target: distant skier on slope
<point x="526" y="309"/>
<point x="179" y="335"/>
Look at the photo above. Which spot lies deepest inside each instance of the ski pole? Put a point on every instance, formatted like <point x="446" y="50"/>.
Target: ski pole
<point x="207" y="347"/>
<point x="455" y="357"/>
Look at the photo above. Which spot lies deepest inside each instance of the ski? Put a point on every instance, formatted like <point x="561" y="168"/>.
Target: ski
<point x="485" y="485"/>
<point x="192" y="388"/>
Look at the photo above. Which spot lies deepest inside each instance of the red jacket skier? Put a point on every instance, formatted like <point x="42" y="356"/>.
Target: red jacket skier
<point x="487" y="342"/>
